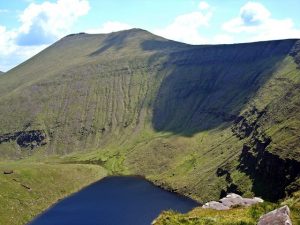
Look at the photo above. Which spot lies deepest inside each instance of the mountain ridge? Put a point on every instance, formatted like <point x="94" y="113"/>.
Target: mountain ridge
<point x="184" y="116"/>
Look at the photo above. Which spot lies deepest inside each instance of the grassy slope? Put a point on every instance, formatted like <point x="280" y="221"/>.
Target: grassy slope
<point x="189" y="164"/>
<point x="48" y="183"/>
<point x="237" y="216"/>
<point x="135" y="103"/>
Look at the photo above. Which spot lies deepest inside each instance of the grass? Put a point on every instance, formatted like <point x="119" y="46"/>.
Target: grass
<point x="47" y="182"/>
<point x="235" y="216"/>
<point x="201" y="216"/>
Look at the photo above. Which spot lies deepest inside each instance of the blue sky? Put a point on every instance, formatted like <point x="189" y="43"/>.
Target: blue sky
<point x="28" y="26"/>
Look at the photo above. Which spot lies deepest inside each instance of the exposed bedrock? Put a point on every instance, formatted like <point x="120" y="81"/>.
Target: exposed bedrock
<point x="273" y="176"/>
<point x="279" y="216"/>
<point x="231" y="201"/>
<point x="25" y="139"/>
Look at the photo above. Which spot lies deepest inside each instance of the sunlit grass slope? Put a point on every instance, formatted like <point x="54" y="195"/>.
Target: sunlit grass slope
<point x="33" y="187"/>
<point x="201" y="120"/>
<point x="236" y="216"/>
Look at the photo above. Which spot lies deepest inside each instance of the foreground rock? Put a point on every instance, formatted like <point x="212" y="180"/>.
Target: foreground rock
<point x="279" y="216"/>
<point x="231" y="201"/>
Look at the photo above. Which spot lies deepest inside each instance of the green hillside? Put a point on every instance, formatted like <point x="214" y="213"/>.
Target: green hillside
<point x="201" y="120"/>
<point x="33" y="187"/>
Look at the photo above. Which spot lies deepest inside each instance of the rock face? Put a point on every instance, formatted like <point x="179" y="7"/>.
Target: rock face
<point x="279" y="216"/>
<point x="26" y="139"/>
<point x="215" y="205"/>
<point x="266" y="169"/>
<point x="230" y="201"/>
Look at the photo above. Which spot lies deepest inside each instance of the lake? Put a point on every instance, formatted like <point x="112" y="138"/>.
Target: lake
<point x="117" y="200"/>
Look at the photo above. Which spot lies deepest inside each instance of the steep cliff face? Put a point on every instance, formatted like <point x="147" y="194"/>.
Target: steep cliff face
<point x="210" y="85"/>
<point x="271" y="173"/>
<point x="171" y="111"/>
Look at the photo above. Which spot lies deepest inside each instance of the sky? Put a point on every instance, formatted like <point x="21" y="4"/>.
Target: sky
<point x="29" y="26"/>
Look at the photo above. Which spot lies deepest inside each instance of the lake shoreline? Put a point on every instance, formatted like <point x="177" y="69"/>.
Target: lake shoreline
<point x="137" y="180"/>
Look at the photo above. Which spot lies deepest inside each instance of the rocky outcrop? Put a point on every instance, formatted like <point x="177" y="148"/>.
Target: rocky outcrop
<point x="245" y="124"/>
<point x="215" y="205"/>
<point x="279" y="216"/>
<point x="25" y="139"/>
<point x="295" y="53"/>
<point x="270" y="173"/>
<point x="231" y="201"/>
<point x="231" y="186"/>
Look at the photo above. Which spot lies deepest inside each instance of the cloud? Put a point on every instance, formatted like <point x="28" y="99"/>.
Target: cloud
<point x="6" y="41"/>
<point x="203" y="5"/>
<point x="222" y="39"/>
<point x="41" y="24"/>
<point x="12" y="54"/>
<point x="254" y="13"/>
<point x="45" y="22"/>
<point x="185" y="28"/>
<point x="110" y="26"/>
<point x="7" y="48"/>
<point x="256" y="21"/>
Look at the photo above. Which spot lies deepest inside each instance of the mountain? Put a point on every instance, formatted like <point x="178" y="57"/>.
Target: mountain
<point x="1" y="72"/>
<point x="202" y="120"/>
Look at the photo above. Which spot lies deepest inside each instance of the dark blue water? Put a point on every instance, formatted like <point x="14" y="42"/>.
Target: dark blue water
<point x="114" y="201"/>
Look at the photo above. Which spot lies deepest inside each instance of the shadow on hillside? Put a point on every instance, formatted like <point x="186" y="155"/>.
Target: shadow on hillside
<point x="209" y="85"/>
<point x="118" y="41"/>
<point x="115" y="40"/>
<point x="164" y="45"/>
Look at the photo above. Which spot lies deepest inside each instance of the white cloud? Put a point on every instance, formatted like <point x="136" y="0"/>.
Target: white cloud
<point x="185" y="28"/>
<point x="253" y="13"/>
<point x="7" y="45"/>
<point x="12" y="54"/>
<point x="222" y="39"/>
<point x="43" y="23"/>
<point x="203" y="5"/>
<point x="256" y="21"/>
<point x="110" y="26"/>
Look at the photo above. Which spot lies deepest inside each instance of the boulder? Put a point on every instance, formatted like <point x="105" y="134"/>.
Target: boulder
<point x="8" y="171"/>
<point x="279" y="216"/>
<point x="215" y="205"/>
<point x="230" y="201"/>
<point x="234" y="200"/>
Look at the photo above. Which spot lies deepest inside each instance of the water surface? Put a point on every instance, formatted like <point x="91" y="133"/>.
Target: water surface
<point x="115" y="201"/>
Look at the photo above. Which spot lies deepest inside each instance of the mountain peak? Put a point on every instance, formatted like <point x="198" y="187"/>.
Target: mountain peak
<point x="132" y="31"/>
